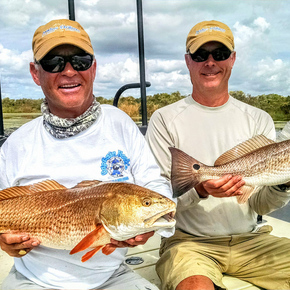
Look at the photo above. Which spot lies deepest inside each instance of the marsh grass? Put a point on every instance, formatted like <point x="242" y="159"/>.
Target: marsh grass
<point x="15" y="120"/>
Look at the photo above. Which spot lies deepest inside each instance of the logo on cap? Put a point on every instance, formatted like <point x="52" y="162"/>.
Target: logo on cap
<point x="61" y="27"/>
<point x="212" y="28"/>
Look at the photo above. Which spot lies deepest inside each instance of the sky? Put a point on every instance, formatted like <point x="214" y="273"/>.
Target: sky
<point x="261" y="29"/>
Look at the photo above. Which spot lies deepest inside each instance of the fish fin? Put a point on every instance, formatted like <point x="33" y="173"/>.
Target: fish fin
<point x="87" y="183"/>
<point x="89" y="239"/>
<point x="17" y="191"/>
<point x="89" y="254"/>
<point x="46" y="185"/>
<point x="247" y="191"/>
<point x="109" y="249"/>
<point x="243" y="149"/>
<point x="182" y="175"/>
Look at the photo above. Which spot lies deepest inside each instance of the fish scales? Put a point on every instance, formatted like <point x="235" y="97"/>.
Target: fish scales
<point x="89" y="214"/>
<point x="41" y="214"/>
<point x="259" y="161"/>
<point x="266" y="166"/>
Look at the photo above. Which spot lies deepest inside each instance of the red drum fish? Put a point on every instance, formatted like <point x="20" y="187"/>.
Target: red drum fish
<point x="85" y="216"/>
<point x="259" y="160"/>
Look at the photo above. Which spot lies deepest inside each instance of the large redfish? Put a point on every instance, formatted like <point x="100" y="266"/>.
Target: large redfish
<point x="85" y="216"/>
<point x="259" y="160"/>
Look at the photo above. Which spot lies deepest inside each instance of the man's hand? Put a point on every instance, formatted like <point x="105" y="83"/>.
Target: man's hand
<point x="225" y="186"/>
<point x="133" y="242"/>
<point x="17" y="245"/>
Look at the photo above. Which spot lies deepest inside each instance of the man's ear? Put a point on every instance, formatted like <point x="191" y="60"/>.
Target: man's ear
<point x="187" y="59"/>
<point x="34" y="73"/>
<point x="233" y="58"/>
<point x="95" y="68"/>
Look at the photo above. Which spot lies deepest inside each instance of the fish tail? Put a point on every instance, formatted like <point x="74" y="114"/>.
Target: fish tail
<point x="184" y="172"/>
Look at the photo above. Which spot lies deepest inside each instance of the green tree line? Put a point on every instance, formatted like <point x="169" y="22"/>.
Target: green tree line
<point x="276" y="105"/>
<point x="21" y="105"/>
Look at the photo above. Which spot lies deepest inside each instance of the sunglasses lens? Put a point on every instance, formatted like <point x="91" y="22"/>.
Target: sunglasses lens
<point x="56" y="63"/>
<point x="218" y="54"/>
<point x="200" y="55"/>
<point x="82" y="62"/>
<point x="53" y="64"/>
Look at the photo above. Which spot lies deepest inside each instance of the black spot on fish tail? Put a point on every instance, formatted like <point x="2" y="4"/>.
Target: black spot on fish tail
<point x="183" y="177"/>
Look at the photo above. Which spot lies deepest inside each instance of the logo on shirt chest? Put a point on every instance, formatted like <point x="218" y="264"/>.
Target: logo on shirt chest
<point x="115" y="165"/>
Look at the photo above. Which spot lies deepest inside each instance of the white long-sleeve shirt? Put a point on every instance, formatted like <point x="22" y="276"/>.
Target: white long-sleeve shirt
<point x="111" y="149"/>
<point x="205" y="133"/>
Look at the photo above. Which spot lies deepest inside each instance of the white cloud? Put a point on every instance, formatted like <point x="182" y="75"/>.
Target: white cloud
<point x="13" y="63"/>
<point x="120" y="72"/>
<point x="267" y="67"/>
<point x="15" y="13"/>
<point x="156" y="66"/>
<point x="275" y="73"/>
<point x="170" y="82"/>
<point x="261" y="23"/>
<point x="89" y="2"/>
<point x="251" y="35"/>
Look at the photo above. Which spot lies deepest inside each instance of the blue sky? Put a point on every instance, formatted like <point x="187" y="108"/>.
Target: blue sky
<point x="261" y="29"/>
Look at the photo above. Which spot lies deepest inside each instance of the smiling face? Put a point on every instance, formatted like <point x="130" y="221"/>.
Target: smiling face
<point x="210" y="78"/>
<point x="69" y="93"/>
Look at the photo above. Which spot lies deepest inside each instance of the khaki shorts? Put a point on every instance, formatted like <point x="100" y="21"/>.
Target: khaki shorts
<point x="259" y="258"/>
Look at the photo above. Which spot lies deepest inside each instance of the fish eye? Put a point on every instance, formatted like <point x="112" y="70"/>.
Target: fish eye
<point x="196" y="166"/>
<point x="146" y="202"/>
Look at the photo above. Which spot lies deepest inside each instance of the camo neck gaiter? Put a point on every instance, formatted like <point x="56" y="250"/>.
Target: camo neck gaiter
<point x="61" y="128"/>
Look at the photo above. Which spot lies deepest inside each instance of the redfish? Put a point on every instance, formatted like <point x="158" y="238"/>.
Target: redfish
<point x="85" y="216"/>
<point x="259" y="160"/>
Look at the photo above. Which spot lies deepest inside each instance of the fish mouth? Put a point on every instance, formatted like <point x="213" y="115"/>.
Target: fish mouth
<point x="162" y="218"/>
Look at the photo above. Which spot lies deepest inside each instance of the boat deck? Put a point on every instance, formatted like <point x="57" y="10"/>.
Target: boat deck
<point x="148" y="256"/>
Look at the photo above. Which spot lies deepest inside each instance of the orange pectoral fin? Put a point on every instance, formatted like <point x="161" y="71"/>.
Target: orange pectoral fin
<point x="88" y="240"/>
<point x="108" y="249"/>
<point x="89" y="254"/>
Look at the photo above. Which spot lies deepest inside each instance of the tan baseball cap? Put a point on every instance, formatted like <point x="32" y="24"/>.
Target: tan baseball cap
<point x="206" y="31"/>
<point x="58" y="32"/>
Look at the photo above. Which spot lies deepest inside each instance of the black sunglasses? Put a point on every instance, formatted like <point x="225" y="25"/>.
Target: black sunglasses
<point x="218" y="54"/>
<point x="57" y="63"/>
